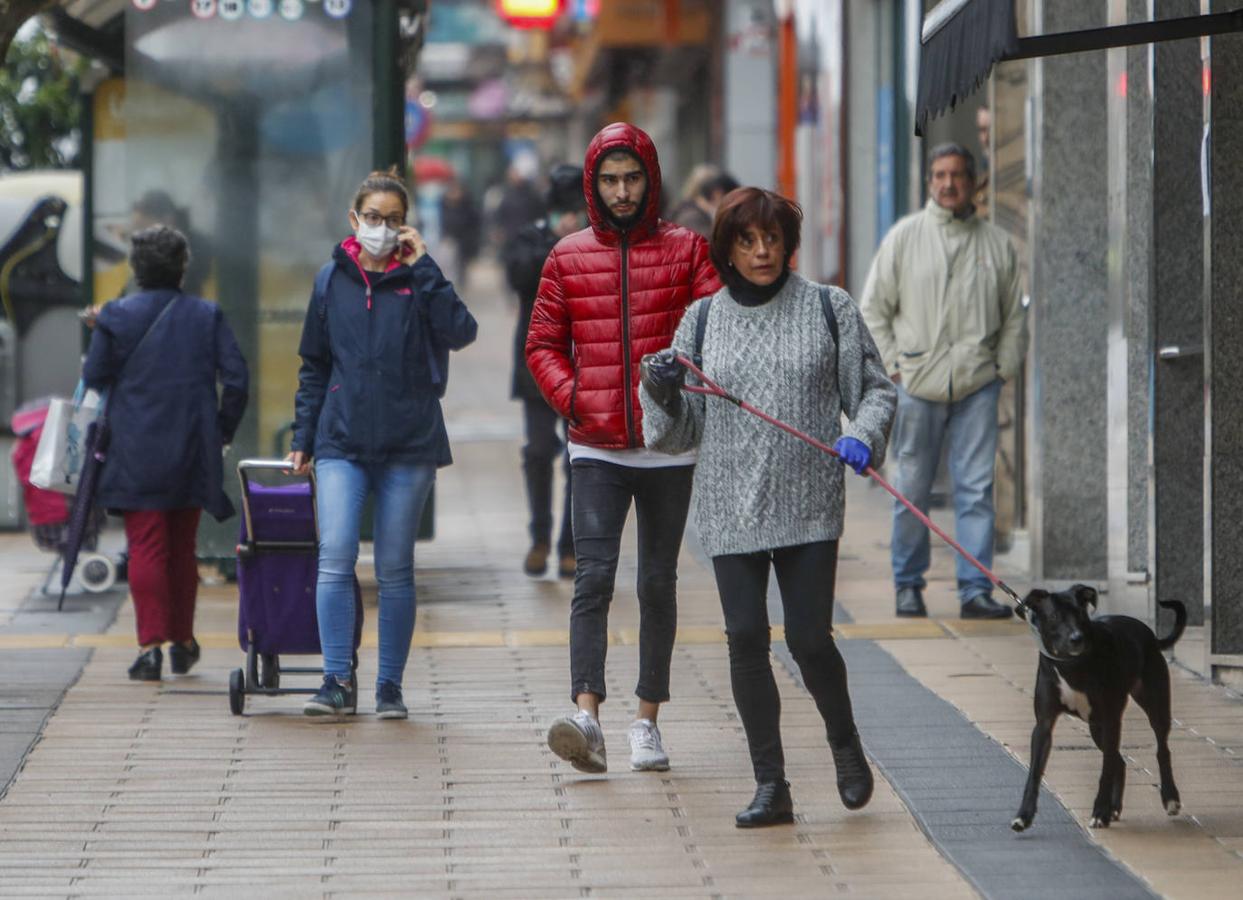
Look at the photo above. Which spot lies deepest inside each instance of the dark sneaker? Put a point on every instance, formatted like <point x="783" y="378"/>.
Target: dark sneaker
<point x="388" y="703"/>
<point x="182" y="657"/>
<point x="579" y="741"/>
<point x="333" y="699"/>
<point x="982" y="606"/>
<point x="537" y="560"/>
<point x="910" y="603"/>
<point x="147" y="666"/>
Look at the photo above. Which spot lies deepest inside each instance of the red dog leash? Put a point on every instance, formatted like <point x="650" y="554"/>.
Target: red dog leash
<point x="712" y="389"/>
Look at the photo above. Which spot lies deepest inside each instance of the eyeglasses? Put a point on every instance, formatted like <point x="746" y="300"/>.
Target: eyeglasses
<point x="374" y="219"/>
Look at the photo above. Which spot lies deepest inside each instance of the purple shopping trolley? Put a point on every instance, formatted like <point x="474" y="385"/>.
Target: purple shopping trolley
<point x="277" y="564"/>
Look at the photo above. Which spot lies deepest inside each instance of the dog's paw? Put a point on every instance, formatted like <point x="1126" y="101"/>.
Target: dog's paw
<point x="1173" y="807"/>
<point x="1018" y="823"/>
<point x="1117" y="815"/>
<point x="1099" y="822"/>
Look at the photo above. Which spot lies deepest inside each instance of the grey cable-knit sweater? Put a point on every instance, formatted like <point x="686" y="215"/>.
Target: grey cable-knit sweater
<point x="756" y="487"/>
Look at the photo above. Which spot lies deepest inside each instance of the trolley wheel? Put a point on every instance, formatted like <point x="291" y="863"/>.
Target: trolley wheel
<point x="269" y="671"/>
<point x="97" y="572"/>
<point x="237" y="691"/>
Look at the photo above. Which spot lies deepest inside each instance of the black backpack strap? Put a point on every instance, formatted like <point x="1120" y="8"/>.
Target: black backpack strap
<point x="826" y="301"/>
<point x="701" y="325"/>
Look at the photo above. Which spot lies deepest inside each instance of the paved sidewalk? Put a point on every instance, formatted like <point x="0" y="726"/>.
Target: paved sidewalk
<point x="142" y="790"/>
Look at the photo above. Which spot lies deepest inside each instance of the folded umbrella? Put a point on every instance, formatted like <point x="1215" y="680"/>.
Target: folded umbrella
<point x="96" y="448"/>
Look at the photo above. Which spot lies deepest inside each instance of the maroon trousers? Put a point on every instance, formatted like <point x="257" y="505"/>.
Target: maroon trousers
<point x="163" y="572"/>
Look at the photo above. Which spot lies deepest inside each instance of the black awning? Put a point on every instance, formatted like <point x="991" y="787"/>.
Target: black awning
<point x="961" y="41"/>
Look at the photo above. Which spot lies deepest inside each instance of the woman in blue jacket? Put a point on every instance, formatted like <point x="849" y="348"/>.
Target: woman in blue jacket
<point x="160" y="353"/>
<point x="374" y="354"/>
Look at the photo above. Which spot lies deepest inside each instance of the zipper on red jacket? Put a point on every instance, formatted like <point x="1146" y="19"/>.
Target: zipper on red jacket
<point x="628" y="388"/>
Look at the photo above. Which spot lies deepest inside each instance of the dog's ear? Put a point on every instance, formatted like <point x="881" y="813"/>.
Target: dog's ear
<point x="1085" y="596"/>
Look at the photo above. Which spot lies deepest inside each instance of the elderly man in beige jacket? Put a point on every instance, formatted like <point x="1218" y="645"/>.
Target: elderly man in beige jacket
<point x="943" y="301"/>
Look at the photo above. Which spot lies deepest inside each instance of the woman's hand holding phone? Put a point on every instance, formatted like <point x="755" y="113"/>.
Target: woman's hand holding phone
<point x="410" y="246"/>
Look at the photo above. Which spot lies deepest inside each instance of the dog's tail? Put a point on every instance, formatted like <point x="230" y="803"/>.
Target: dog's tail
<point x="1180" y="622"/>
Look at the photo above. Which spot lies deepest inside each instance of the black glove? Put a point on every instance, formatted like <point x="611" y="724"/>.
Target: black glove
<point x="663" y="376"/>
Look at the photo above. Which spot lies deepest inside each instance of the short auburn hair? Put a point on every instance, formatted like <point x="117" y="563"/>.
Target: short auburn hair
<point x="747" y="206"/>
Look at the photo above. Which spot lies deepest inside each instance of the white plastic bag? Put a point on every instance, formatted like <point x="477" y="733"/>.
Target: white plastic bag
<point x="59" y="456"/>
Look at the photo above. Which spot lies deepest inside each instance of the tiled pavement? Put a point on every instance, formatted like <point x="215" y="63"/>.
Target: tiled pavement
<point x="141" y="790"/>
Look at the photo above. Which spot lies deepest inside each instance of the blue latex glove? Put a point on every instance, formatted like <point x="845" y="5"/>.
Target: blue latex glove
<point x="854" y="453"/>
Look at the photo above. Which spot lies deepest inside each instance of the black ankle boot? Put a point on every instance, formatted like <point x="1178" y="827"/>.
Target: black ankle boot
<point x="147" y="666"/>
<point x="181" y="657"/>
<point x="772" y="805"/>
<point x="854" y="775"/>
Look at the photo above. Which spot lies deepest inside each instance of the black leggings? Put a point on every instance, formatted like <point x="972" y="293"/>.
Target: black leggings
<point x="805" y="576"/>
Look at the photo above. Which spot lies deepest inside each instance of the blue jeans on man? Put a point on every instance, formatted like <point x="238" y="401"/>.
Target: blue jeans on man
<point x="400" y="490"/>
<point x="968" y="429"/>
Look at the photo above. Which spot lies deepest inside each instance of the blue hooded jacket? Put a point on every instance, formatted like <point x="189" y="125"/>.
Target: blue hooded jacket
<point x="369" y="389"/>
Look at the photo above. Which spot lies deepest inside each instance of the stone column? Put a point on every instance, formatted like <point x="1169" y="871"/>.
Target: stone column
<point x="1130" y="273"/>
<point x="1069" y="314"/>
<point x="1223" y="333"/>
<point x="1177" y="321"/>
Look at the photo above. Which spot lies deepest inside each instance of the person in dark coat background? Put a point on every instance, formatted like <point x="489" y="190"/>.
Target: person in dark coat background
<point x="524" y="260"/>
<point x="160" y="353"/>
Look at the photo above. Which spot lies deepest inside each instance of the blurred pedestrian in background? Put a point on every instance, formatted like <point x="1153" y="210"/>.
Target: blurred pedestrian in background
<point x="524" y="258"/>
<point x="374" y="353"/>
<point x="521" y="202"/>
<point x="698" y="210"/>
<point x="462" y="223"/>
<point x="800" y="352"/>
<point x="159" y="354"/>
<point x="608" y="295"/>
<point x="944" y="300"/>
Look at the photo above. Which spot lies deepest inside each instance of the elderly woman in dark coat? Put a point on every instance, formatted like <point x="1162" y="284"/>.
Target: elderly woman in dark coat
<point x="160" y="353"/>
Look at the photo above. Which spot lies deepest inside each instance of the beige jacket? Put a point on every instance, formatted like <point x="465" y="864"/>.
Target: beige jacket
<point x="943" y="301"/>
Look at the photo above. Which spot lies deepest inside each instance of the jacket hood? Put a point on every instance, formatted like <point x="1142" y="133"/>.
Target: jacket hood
<point x="622" y="136"/>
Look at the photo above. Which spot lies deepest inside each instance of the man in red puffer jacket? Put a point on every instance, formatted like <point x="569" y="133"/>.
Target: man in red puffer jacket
<point x="608" y="295"/>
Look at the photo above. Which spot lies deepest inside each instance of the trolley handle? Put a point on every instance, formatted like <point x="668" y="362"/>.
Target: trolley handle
<point x="248" y="467"/>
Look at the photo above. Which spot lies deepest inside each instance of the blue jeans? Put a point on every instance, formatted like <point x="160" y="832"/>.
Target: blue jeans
<point x="970" y="427"/>
<point x="400" y="491"/>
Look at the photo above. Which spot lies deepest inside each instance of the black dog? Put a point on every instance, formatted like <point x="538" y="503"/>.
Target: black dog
<point x="1088" y="667"/>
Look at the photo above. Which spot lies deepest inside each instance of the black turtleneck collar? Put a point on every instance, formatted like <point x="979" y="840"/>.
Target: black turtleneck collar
<point x="748" y="293"/>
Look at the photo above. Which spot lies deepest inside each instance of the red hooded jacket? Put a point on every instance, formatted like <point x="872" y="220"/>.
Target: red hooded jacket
<point x="608" y="297"/>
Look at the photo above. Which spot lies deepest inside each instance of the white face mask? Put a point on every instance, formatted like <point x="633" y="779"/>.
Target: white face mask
<point x="378" y="240"/>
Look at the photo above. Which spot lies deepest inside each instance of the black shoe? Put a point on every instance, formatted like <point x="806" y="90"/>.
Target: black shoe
<point x="854" y="775"/>
<point x="182" y="657"/>
<point x="983" y="606"/>
<point x="771" y="805"/>
<point x="147" y="666"/>
<point x="911" y="603"/>
<point x="333" y="699"/>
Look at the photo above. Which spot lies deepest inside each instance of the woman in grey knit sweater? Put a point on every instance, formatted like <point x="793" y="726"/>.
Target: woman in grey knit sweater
<point x="800" y="352"/>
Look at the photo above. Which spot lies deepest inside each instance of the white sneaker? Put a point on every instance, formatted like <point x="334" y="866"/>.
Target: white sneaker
<point x="579" y="740"/>
<point x="646" y="752"/>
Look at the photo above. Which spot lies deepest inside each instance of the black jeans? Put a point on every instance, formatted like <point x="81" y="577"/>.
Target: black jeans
<point x="805" y="575"/>
<point x="542" y="448"/>
<point x="602" y="496"/>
